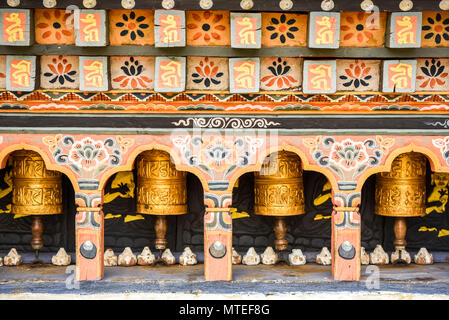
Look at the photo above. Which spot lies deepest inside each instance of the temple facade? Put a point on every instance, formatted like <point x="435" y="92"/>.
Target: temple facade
<point x="224" y="124"/>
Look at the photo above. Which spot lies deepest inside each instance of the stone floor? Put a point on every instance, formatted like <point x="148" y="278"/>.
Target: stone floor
<point x="310" y="281"/>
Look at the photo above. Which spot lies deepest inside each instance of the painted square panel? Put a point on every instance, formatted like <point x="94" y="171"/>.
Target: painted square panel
<point x="435" y="29"/>
<point x="169" y="28"/>
<point x="432" y="75"/>
<point x="93" y="73"/>
<point x="284" y="29"/>
<point x="208" y="28"/>
<point x="90" y="28"/>
<point x="362" y="29"/>
<point x="358" y="75"/>
<point x="170" y="74"/>
<point x="59" y="72"/>
<point x="324" y="30"/>
<point x="246" y="30"/>
<point x="399" y="76"/>
<point x="319" y="76"/>
<point x="54" y="26"/>
<point x="207" y="73"/>
<point x="132" y="72"/>
<point x="15" y="27"/>
<point x="131" y="27"/>
<point x="20" y="73"/>
<point x="405" y="30"/>
<point x="244" y="75"/>
<point x="280" y="74"/>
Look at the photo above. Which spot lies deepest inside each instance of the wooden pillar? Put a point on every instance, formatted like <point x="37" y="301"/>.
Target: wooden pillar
<point x="89" y="236"/>
<point x="218" y="237"/>
<point x="346" y="237"/>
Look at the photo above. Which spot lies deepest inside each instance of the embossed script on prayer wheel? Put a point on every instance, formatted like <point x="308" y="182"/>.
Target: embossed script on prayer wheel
<point x="161" y="189"/>
<point x="279" y="187"/>
<point x="402" y="191"/>
<point x="36" y="191"/>
<point x="279" y="192"/>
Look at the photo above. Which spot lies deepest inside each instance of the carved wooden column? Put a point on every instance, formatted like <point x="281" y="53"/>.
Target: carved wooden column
<point x="346" y="237"/>
<point x="217" y="237"/>
<point x="89" y="236"/>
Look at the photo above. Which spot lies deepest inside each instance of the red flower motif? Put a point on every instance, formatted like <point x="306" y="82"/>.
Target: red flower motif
<point x="55" y="24"/>
<point x="208" y="26"/>
<point x="279" y="75"/>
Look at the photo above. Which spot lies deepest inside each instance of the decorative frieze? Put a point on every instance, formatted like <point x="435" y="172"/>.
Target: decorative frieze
<point x="207" y="73"/>
<point x="54" y="26"/>
<point x="280" y="74"/>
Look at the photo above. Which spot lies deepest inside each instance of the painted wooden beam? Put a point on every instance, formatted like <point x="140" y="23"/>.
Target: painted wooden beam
<point x="234" y="5"/>
<point x="354" y="53"/>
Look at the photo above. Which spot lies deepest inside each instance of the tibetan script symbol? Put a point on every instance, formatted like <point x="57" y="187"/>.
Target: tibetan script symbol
<point x="245" y="75"/>
<point x="90" y="31"/>
<point x="22" y="73"/>
<point x="406" y="34"/>
<point x="170" y="30"/>
<point x="14" y="31"/>
<point x="402" y="75"/>
<point x="171" y="74"/>
<point x="247" y="32"/>
<point x="322" y="77"/>
<point x="325" y="32"/>
<point x="95" y="74"/>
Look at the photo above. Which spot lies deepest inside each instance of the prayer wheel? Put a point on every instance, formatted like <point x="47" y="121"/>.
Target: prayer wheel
<point x="401" y="193"/>
<point x="36" y="191"/>
<point x="161" y="190"/>
<point x="279" y="192"/>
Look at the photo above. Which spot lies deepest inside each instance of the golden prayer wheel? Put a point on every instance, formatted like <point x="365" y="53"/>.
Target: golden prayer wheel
<point x="401" y="193"/>
<point x="279" y="192"/>
<point x="161" y="190"/>
<point x="36" y="191"/>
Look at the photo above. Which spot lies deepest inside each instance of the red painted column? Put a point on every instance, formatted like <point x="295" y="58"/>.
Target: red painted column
<point x="89" y="236"/>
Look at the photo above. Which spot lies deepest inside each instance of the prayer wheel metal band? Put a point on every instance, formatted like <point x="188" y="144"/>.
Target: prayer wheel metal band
<point x="36" y="190"/>
<point x="402" y="191"/>
<point x="161" y="189"/>
<point x="279" y="187"/>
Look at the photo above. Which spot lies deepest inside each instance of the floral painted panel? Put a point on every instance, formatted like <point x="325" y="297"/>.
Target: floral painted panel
<point x="59" y="72"/>
<point x="277" y="74"/>
<point x="131" y="27"/>
<point x="432" y="75"/>
<point x="132" y="72"/>
<point x="208" y="28"/>
<point x="207" y="73"/>
<point x="358" y="75"/>
<point x="54" y="27"/>
<point x="284" y="30"/>
<point x="435" y="29"/>
<point x="360" y="29"/>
